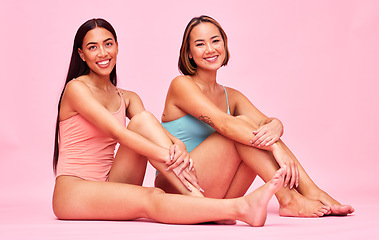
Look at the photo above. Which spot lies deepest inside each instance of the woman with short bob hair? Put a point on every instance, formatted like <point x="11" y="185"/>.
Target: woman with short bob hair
<point x="186" y="65"/>
<point x="229" y="139"/>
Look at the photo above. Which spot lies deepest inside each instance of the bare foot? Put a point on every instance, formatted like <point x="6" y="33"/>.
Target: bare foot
<point x="336" y="208"/>
<point x="300" y="206"/>
<point x="254" y="206"/>
<point x="226" y="222"/>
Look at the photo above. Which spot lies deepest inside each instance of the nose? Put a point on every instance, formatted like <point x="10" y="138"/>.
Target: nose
<point x="102" y="52"/>
<point x="210" y="48"/>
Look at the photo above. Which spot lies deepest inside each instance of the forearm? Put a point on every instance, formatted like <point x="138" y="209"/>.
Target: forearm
<point x="142" y="145"/>
<point x="277" y="122"/>
<point x="173" y="139"/>
<point x="239" y="129"/>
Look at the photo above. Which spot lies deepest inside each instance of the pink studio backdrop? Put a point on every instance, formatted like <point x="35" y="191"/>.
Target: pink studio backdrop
<point x="313" y="64"/>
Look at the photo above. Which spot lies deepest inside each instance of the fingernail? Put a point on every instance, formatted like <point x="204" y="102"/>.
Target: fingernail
<point x="201" y="190"/>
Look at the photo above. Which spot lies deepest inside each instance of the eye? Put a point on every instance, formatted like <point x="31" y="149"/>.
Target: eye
<point x="92" y="47"/>
<point x="109" y="44"/>
<point x="216" y="41"/>
<point x="199" y="44"/>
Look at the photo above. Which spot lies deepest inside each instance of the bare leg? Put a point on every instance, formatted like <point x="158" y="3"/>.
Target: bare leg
<point x="225" y="159"/>
<point x="306" y="188"/>
<point x="216" y="166"/>
<point x="316" y="193"/>
<point x="75" y="198"/>
<point x="241" y="182"/>
<point x="224" y="180"/>
<point x="128" y="162"/>
<point x="128" y="167"/>
<point x="291" y="202"/>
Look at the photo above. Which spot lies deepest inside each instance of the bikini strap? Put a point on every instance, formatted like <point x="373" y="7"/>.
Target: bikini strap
<point x="122" y="98"/>
<point x="227" y="100"/>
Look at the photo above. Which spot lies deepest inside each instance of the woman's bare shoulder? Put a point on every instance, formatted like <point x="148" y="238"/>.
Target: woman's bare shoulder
<point x="127" y="94"/>
<point x="232" y="92"/>
<point x="76" y="87"/>
<point x="181" y="79"/>
<point x="182" y="83"/>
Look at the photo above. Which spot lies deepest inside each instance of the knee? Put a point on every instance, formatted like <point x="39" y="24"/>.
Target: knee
<point x="243" y="117"/>
<point x="140" y="119"/>
<point x="154" y="192"/>
<point x="247" y="119"/>
<point x="143" y="116"/>
<point x="153" y="201"/>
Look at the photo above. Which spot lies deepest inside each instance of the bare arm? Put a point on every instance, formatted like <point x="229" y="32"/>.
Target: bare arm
<point x="188" y="97"/>
<point x="268" y="135"/>
<point x="80" y="99"/>
<point x="269" y="130"/>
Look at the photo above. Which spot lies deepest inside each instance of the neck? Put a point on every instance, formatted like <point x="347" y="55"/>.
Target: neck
<point x="99" y="81"/>
<point x="206" y="78"/>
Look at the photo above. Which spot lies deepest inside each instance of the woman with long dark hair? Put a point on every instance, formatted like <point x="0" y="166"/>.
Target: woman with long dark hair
<point x="92" y="183"/>
<point x="230" y="140"/>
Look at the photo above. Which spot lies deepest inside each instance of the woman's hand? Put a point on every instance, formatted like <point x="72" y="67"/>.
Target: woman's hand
<point x="182" y="165"/>
<point x="268" y="134"/>
<point x="179" y="156"/>
<point x="188" y="177"/>
<point x="286" y="161"/>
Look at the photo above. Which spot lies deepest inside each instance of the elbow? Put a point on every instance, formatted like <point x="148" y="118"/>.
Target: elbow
<point x="225" y="128"/>
<point x="117" y="133"/>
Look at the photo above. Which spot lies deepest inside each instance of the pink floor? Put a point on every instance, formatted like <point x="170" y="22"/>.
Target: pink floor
<point x="32" y="218"/>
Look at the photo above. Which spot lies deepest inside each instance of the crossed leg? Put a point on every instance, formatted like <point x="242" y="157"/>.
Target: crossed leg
<point x="129" y="167"/>
<point x="78" y="199"/>
<point x="222" y="175"/>
<point x="75" y="198"/>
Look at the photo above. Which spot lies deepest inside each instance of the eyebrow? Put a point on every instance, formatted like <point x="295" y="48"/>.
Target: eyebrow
<point x="106" y="40"/>
<point x="200" y="40"/>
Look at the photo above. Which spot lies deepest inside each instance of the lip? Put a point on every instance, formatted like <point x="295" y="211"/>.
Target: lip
<point x="211" y="59"/>
<point x="104" y="63"/>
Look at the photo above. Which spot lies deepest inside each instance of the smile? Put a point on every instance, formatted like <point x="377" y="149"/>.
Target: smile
<point x="211" y="59"/>
<point x="103" y="63"/>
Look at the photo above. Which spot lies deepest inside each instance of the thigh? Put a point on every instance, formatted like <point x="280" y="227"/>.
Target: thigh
<point x="216" y="162"/>
<point x="128" y="167"/>
<point x="241" y="182"/>
<point x="75" y="198"/>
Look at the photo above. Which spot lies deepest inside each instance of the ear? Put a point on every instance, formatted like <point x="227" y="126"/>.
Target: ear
<point x="190" y="55"/>
<point x="80" y="51"/>
<point x="117" y="47"/>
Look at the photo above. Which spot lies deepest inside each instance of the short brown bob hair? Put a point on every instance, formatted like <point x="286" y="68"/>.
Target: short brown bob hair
<point x="186" y="65"/>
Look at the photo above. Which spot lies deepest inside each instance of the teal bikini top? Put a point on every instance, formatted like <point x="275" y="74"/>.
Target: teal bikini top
<point x="190" y="130"/>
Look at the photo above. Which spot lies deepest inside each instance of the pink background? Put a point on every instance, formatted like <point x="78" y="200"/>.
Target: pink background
<point x="313" y="64"/>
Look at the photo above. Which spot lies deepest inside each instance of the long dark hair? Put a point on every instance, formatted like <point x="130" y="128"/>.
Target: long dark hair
<point x="78" y="68"/>
<point x="186" y="65"/>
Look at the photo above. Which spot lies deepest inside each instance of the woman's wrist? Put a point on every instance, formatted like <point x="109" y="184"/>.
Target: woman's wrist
<point x="274" y="148"/>
<point x="277" y="121"/>
<point x="163" y="155"/>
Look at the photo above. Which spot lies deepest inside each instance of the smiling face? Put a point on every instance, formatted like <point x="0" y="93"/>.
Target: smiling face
<point x="206" y="47"/>
<point x="99" y="51"/>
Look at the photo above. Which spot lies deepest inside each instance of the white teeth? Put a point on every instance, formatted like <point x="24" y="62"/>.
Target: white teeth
<point x="212" y="58"/>
<point x="103" y="62"/>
